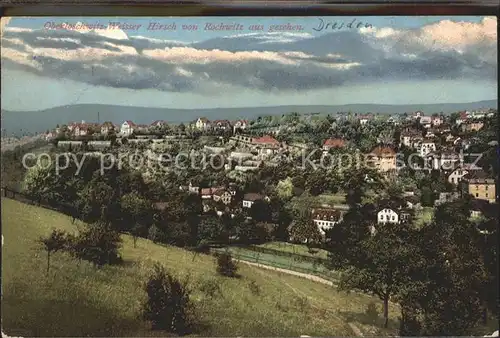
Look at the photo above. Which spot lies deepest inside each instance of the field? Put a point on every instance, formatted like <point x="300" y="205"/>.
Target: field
<point x="284" y="262"/>
<point x="295" y="248"/>
<point x="75" y="299"/>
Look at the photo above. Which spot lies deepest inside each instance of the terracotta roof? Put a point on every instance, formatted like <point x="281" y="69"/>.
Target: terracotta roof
<point x="203" y="119"/>
<point x="130" y="123"/>
<point x="266" y="140"/>
<point x="383" y="151"/>
<point x="334" y="142"/>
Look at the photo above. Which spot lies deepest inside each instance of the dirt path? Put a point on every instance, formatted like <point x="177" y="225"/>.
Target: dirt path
<point x="291" y="272"/>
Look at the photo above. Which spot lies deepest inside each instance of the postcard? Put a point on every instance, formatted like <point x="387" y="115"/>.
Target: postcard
<point x="249" y="176"/>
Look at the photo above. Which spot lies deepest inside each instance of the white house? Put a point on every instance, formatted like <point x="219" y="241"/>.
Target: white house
<point x="81" y="129"/>
<point x="240" y="124"/>
<point x="387" y="215"/>
<point x="425" y="147"/>
<point x="222" y="195"/>
<point x="128" y="128"/>
<point x="459" y="172"/>
<point x="202" y="123"/>
<point x="325" y="219"/>
<point x="425" y="121"/>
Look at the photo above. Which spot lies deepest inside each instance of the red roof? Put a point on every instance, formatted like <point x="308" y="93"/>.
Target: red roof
<point x="463" y="115"/>
<point x="383" y="151"/>
<point x="266" y="140"/>
<point x="130" y="123"/>
<point x="334" y="143"/>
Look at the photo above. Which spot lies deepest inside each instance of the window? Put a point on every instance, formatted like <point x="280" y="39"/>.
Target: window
<point x="486" y="187"/>
<point x="477" y="195"/>
<point x="392" y="218"/>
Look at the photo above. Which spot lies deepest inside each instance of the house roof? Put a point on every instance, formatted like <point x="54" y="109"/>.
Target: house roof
<point x="334" y="142"/>
<point x="203" y="119"/>
<point x="383" y="151"/>
<point x="478" y="176"/>
<point x="266" y="139"/>
<point x="326" y="214"/>
<point x="130" y="123"/>
<point x="219" y="192"/>
<point x="107" y="124"/>
<point x="206" y="191"/>
<point x="222" y="122"/>
<point x="158" y="122"/>
<point x="252" y="197"/>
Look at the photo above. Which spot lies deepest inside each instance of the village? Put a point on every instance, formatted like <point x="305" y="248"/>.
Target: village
<point x="440" y="144"/>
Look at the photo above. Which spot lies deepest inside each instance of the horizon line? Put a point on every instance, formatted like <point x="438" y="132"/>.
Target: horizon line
<point x="256" y="107"/>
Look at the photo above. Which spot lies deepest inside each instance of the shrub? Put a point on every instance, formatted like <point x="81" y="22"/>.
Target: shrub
<point x="210" y="287"/>
<point x="254" y="288"/>
<point x="371" y="312"/>
<point x="168" y="306"/>
<point x="225" y="265"/>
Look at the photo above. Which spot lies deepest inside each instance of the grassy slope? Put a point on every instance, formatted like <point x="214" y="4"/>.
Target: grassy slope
<point x="78" y="300"/>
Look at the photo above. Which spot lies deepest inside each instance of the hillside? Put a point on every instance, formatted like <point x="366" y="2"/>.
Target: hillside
<point x="39" y="121"/>
<point x="75" y="299"/>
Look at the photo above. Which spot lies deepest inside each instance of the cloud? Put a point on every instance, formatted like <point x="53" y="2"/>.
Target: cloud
<point x="262" y="61"/>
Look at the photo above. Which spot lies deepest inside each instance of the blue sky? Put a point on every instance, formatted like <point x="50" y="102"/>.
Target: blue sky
<point x="396" y="60"/>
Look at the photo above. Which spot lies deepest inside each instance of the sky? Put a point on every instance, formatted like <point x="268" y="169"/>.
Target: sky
<point x="191" y="62"/>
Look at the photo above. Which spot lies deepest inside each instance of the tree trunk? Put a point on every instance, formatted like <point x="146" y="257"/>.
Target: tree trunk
<point x="48" y="261"/>
<point x="135" y="241"/>
<point x="386" y="311"/>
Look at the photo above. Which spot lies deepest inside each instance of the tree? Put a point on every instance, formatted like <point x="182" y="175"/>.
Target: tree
<point x="448" y="276"/>
<point x="211" y="229"/>
<point x="225" y="265"/>
<point x="168" y="306"/>
<point x="380" y="267"/>
<point x="284" y="189"/>
<point x="260" y="211"/>
<point x="54" y="242"/>
<point x="98" y="243"/>
<point x="304" y="230"/>
<point x="136" y="213"/>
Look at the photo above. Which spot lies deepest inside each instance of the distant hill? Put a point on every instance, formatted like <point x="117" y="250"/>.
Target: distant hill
<point x="18" y="122"/>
